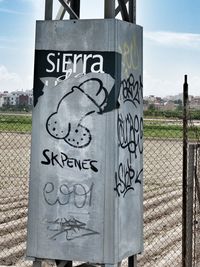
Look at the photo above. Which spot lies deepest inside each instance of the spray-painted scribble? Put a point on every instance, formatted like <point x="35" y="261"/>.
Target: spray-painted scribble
<point x="132" y="90"/>
<point x="130" y="55"/>
<point x="125" y="179"/>
<point x="62" y="160"/>
<point x="78" y="195"/>
<point x="130" y="133"/>
<point x="72" y="129"/>
<point x="70" y="228"/>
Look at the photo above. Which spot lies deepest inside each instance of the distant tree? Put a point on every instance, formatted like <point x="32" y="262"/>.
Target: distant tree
<point x="179" y="104"/>
<point x="151" y="107"/>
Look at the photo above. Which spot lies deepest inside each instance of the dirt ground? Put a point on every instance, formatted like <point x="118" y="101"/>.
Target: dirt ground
<point x="162" y="202"/>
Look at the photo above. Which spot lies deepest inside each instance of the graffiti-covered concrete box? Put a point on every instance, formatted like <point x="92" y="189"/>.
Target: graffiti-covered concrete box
<point x="85" y="200"/>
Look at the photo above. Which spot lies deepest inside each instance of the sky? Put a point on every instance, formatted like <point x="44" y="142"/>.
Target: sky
<point x="171" y="30"/>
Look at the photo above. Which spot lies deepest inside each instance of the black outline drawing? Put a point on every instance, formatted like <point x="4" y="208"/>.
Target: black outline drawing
<point x="78" y="135"/>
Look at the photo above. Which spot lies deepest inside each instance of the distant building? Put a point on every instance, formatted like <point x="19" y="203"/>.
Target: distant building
<point x="195" y="103"/>
<point x="169" y="105"/>
<point x="16" y="98"/>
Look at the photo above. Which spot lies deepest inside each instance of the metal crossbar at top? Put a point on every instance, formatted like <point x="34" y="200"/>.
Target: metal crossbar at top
<point x="127" y="9"/>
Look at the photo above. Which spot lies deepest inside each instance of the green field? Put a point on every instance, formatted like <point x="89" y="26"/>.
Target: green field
<point x="15" y="123"/>
<point x="21" y="123"/>
<point x="161" y="130"/>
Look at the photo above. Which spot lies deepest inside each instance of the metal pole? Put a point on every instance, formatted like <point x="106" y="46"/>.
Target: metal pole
<point x="60" y="263"/>
<point x="132" y="261"/>
<point x="132" y="11"/>
<point x="184" y="185"/>
<point x="75" y="6"/>
<point x="197" y="173"/>
<point x="109" y="9"/>
<point x="37" y="263"/>
<point x="48" y="10"/>
<point x="124" y="12"/>
<point x="189" y="215"/>
<point x="66" y="6"/>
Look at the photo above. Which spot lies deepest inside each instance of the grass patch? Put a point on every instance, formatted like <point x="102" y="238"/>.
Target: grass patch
<point x="15" y="123"/>
<point x="166" y="131"/>
<point x="152" y="129"/>
<point x="156" y="130"/>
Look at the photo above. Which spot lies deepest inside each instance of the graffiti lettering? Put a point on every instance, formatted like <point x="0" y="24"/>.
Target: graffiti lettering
<point x="71" y="228"/>
<point x="130" y="56"/>
<point x="132" y="90"/>
<point x="63" y="160"/>
<point x="125" y="178"/>
<point x="79" y="195"/>
<point x="130" y="133"/>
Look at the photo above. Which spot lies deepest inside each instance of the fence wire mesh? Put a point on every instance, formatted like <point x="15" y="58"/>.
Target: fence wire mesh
<point x="14" y="171"/>
<point x="163" y="155"/>
<point x="162" y="193"/>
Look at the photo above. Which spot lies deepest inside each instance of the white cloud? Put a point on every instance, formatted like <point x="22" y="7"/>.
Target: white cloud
<point x="9" y="80"/>
<point x="174" y="39"/>
<point x="5" y="75"/>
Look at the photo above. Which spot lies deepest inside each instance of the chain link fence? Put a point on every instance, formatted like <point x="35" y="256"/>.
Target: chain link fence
<point x="14" y="172"/>
<point x="163" y="153"/>
<point x="162" y="193"/>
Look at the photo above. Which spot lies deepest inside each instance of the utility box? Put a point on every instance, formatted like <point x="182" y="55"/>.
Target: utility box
<point x="86" y="179"/>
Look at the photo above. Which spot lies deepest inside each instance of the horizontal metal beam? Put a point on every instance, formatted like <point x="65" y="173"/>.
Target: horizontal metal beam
<point x="68" y="9"/>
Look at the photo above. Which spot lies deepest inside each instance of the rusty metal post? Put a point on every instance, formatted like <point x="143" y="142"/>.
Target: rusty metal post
<point x="189" y="214"/>
<point x="184" y="182"/>
<point x="197" y="173"/>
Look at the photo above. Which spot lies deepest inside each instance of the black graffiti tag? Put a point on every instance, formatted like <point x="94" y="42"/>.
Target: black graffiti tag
<point x="72" y="228"/>
<point x="132" y="90"/>
<point x="79" y="195"/>
<point x="125" y="179"/>
<point x="62" y="160"/>
<point x="130" y="133"/>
